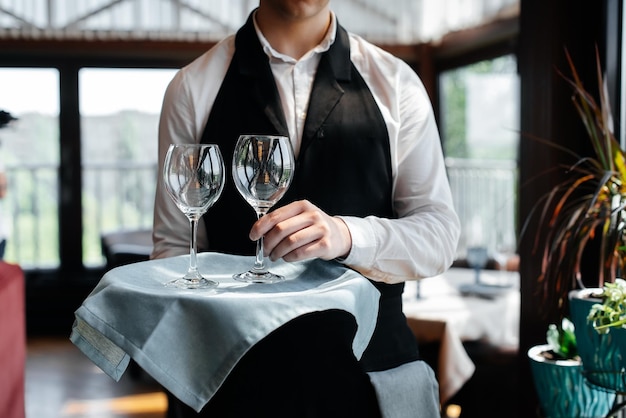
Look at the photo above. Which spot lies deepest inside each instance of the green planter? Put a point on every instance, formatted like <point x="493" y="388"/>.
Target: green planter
<point x="562" y="389"/>
<point x="603" y="355"/>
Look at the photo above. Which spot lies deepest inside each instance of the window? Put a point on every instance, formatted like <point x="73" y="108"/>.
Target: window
<point x="479" y="126"/>
<point x="29" y="151"/>
<point x="119" y="126"/>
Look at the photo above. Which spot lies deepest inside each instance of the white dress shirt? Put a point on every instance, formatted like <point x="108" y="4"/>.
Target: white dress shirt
<point x="421" y="242"/>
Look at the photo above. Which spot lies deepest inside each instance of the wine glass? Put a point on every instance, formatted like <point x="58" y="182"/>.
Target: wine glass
<point x="263" y="168"/>
<point x="477" y="258"/>
<point x="194" y="177"/>
<point x="504" y="249"/>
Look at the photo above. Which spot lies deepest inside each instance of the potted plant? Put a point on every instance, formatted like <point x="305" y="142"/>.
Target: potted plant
<point x="611" y="312"/>
<point x="558" y="377"/>
<point x="602" y="318"/>
<point x="588" y="206"/>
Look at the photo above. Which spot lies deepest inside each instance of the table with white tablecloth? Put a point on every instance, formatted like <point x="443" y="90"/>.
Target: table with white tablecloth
<point x="452" y="309"/>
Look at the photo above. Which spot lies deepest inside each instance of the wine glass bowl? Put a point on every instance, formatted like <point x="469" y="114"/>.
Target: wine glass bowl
<point x="194" y="176"/>
<point x="263" y="167"/>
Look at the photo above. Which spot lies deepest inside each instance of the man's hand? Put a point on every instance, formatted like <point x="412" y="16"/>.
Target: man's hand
<point x="300" y="231"/>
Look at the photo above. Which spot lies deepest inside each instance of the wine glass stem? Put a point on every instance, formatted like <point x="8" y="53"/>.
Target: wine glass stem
<point x="193" y="265"/>
<point x="259" y="265"/>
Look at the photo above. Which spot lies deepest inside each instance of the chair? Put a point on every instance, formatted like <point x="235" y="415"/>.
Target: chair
<point x="12" y="341"/>
<point x="125" y="247"/>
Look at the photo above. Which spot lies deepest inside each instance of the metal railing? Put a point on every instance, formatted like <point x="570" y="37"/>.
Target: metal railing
<point x="120" y="196"/>
<point x="30" y="212"/>
<point x="485" y="198"/>
<point x="115" y="196"/>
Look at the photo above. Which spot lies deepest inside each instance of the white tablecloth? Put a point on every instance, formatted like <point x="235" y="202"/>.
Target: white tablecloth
<point x="189" y="340"/>
<point x="450" y="313"/>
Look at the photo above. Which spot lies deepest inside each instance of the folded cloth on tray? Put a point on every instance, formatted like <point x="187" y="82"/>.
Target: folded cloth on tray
<point x="189" y="340"/>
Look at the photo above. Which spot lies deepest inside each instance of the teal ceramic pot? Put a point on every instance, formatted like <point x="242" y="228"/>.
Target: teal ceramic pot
<point x="563" y="391"/>
<point x="603" y="355"/>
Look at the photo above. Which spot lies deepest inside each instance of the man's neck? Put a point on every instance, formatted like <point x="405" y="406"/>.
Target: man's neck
<point x="293" y="36"/>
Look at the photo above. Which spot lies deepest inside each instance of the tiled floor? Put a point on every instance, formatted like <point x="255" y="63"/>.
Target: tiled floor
<point x="61" y="382"/>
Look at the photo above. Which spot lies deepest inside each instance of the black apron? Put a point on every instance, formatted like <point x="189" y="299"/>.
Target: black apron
<point x="344" y="167"/>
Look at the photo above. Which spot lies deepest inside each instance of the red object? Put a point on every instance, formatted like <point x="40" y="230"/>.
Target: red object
<point x="12" y="341"/>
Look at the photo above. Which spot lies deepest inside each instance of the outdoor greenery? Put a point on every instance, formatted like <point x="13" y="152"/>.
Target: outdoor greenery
<point x="31" y="203"/>
<point x="114" y="197"/>
<point x="454" y="116"/>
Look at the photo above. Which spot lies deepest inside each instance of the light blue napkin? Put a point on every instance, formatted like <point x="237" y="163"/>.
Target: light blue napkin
<point x="190" y="340"/>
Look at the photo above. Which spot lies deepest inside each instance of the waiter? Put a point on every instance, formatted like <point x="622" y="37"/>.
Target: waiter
<point x="370" y="191"/>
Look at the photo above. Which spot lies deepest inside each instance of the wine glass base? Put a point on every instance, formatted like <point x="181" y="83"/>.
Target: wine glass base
<point x="258" y="277"/>
<point x="200" y="283"/>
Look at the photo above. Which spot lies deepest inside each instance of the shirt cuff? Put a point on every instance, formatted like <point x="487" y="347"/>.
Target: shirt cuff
<point x="364" y="245"/>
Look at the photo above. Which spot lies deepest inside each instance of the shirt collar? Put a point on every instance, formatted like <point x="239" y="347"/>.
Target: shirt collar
<point x="323" y="46"/>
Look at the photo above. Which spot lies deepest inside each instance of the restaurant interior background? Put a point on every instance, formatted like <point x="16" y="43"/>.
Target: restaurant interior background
<point x="85" y="79"/>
